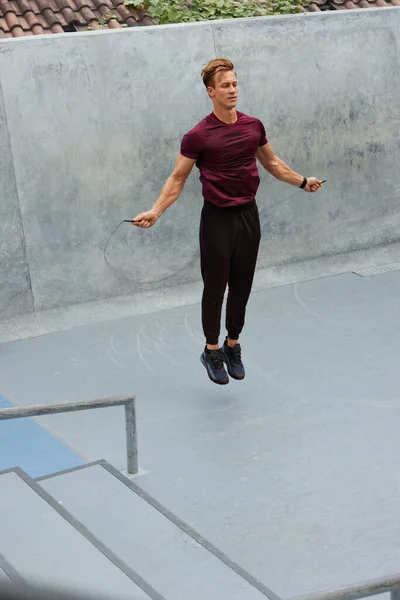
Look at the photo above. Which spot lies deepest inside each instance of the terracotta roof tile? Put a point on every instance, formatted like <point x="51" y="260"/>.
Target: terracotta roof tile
<point x="33" y="22"/>
<point x="34" y="17"/>
<point x="323" y="5"/>
<point x="313" y="7"/>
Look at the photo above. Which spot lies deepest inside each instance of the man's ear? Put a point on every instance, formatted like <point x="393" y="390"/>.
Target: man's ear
<point x="211" y="91"/>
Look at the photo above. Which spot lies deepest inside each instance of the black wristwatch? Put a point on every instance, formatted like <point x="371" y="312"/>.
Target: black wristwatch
<point x="303" y="185"/>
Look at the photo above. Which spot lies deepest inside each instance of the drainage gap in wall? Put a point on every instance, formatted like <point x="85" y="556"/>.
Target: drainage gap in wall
<point x="378" y="270"/>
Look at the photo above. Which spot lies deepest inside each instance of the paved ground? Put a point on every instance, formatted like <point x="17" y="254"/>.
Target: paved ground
<point x="295" y="471"/>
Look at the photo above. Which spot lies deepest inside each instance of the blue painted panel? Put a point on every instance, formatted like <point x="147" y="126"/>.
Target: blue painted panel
<point x="26" y="444"/>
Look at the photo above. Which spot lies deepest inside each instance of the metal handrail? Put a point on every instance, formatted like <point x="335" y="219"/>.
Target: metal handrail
<point x="18" y="412"/>
<point x="356" y="591"/>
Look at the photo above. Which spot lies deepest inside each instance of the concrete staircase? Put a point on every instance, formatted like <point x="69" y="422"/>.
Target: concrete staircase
<point x="93" y="530"/>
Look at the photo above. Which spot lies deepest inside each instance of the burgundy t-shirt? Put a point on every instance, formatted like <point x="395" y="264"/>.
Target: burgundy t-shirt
<point x="225" y="155"/>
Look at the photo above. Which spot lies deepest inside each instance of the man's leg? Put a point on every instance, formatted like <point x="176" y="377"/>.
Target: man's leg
<point x="240" y="281"/>
<point x="216" y="244"/>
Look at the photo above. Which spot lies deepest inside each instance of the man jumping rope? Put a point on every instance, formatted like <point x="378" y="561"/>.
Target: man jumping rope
<point x="224" y="146"/>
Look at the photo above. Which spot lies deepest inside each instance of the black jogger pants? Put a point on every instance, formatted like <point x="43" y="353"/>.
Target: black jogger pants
<point x="229" y="242"/>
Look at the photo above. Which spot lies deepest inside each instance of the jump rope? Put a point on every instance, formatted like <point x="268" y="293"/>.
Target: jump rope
<point x="121" y="275"/>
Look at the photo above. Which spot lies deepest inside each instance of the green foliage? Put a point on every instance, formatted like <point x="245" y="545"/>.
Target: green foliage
<point x="182" y="11"/>
<point x="104" y="20"/>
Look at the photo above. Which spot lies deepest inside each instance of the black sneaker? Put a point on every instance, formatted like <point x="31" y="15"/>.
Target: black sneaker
<point x="233" y="359"/>
<point x="214" y="364"/>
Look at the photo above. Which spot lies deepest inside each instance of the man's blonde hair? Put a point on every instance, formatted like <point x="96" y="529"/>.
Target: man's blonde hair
<point x="213" y="67"/>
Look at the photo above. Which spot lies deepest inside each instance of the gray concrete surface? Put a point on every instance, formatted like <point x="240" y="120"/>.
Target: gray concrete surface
<point x="168" y="558"/>
<point x="327" y="110"/>
<point x="293" y="473"/>
<point x="15" y="289"/>
<point x="45" y="549"/>
<point x="3" y="576"/>
<point x="77" y="315"/>
<point x="102" y="115"/>
<point x="91" y="104"/>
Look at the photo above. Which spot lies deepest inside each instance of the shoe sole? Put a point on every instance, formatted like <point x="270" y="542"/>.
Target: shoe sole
<point x="229" y="369"/>
<point x="203" y="362"/>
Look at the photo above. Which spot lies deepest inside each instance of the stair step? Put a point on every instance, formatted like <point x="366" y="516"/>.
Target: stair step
<point x="7" y="571"/>
<point x="3" y="576"/>
<point x="44" y="548"/>
<point x="166" y="556"/>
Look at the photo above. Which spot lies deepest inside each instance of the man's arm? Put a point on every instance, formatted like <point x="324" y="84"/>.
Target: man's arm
<point x="281" y="171"/>
<point x="169" y="193"/>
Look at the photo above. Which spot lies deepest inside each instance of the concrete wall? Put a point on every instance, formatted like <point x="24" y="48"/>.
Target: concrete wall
<point x="327" y="89"/>
<point x="91" y="123"/>
<point x="15" y="289"/>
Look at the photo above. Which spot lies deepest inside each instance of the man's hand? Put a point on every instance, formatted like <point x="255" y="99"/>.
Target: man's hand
<point x="145" y="219"/>
<point x="313" y="184"/>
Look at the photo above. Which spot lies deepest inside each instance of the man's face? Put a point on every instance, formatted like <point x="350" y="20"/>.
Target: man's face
<point x="225" y="90"/>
